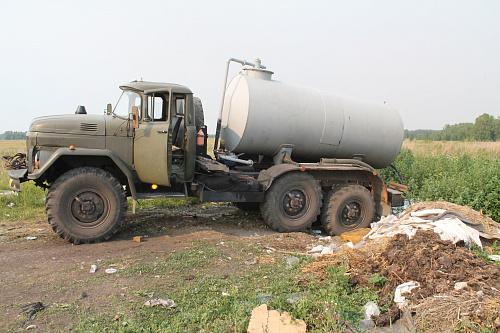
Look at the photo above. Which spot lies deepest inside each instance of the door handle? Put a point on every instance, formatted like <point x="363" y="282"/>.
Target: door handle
<point x="163" y="132"/>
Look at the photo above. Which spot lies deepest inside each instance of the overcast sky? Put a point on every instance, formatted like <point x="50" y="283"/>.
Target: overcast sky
<point x="437" y="62"/>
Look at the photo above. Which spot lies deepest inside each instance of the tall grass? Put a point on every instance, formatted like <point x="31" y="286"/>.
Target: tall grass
<point x="438" y="172"/>
<point x="453" y="148"/>
<point x="30" y="202"/>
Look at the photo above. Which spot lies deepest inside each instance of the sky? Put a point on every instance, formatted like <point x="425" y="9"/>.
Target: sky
<point x="437" y="62"/>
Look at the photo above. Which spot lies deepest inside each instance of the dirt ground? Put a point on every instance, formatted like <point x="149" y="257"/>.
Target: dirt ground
<point x="49" y="270"/>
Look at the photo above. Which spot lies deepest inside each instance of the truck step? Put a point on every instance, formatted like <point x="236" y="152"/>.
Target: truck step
<point x="160" y="195"/>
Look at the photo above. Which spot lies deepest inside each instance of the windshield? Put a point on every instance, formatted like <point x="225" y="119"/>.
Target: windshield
<point x="127" y="100"/>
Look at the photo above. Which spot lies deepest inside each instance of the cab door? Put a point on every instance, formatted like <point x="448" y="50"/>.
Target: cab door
<point x="153" y="142"/>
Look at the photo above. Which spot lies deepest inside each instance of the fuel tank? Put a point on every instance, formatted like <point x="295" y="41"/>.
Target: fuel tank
<point x="261" y="115"/>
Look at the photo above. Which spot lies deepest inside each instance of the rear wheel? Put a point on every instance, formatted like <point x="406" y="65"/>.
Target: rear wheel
<point x="86" y="205"/>
<point x="292" y="203"/>
<point x="347" y="208"/>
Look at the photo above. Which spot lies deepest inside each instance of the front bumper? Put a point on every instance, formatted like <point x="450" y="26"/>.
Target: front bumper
<point x="16" y="177"/>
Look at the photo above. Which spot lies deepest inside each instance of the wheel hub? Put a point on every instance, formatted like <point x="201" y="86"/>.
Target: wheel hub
<point x="294" y="202"/>
<point x="351" y="213"/>
<point x="87" y="207"/>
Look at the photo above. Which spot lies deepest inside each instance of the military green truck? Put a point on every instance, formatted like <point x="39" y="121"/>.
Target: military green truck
<point x="296" y="153"/>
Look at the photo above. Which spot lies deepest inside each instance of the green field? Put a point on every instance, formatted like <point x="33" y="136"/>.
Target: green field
<point x="465" y="173"/>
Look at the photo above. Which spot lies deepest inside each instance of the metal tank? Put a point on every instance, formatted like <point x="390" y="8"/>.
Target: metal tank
<point x="261" y="116"/>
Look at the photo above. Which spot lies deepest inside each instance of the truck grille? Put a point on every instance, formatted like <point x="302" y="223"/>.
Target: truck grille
<point x="88" y="127"/>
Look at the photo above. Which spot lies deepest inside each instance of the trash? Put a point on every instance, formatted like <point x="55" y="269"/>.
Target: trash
<point x="31" y="309"/>
<point x="366" y="324"/>
<point x="7" y="193"/>
<point x="316" y="249"/>
<point x="371" y="309"/>
<point x="317" y="231"/>
<point x="31" y="238"/>
<point x="292" y="261"/>
<point x="327" y="238"/>
<point x="447" y="224"/>
<point x="264" y="298"/>
<point x="225" y="294"/>
<point x="460" y="285"/>
<point x="406" y="287"/>
<point x="355" y="236"/>
<point x="264" y="320"/>
<point x="294" y="297"/>
<point x="111" y="270"/>
<point x="93" y="268"/>
<point x="354" y="246"/>
<point x="166" y="303"/>
<point x="31" y="327"/>
<point x="11" y="205"/>
<point x="321" y="249"/>
<point x="403" y="325"/>
<point x="495" y="257"/>
<point x="138" y="239"/>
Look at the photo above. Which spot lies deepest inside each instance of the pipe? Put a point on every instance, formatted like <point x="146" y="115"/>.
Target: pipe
<point x="257" y="65"/>
<point x="234" y="159"/>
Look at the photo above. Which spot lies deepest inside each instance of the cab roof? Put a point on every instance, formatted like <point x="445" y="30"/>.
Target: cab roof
<point x="151" y="87"/>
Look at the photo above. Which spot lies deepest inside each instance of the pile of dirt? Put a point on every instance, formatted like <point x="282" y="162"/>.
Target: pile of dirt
<point x="435" y="264"/>
<point x="490" y="226"/>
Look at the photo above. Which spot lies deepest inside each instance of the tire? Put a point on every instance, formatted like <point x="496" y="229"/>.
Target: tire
<point x="86" y="205"/>
<point x="278" y="210"/>
<point x="199" y="117"/>
<point x="355" y="200"/>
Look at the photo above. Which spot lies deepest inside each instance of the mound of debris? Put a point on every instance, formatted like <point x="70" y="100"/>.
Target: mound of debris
<point x="436" y="265"/>
<point x="490" y="226"/>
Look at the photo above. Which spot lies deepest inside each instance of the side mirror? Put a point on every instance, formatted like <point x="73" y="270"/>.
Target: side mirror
<point x="135" y="117"/>
<point x="109" y="109"/>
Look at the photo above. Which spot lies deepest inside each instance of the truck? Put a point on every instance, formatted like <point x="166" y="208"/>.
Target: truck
<point x="296" y="153"/>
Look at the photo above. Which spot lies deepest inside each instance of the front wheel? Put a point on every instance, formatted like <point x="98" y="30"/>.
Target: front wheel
<point x="86" y="205"/>
<point x="292" y="203"/>
<point x="347" y="208"/>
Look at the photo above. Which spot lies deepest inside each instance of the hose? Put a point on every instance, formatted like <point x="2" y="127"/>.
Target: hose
<point x="17" y="161"/>
<point x="397" y="173"/>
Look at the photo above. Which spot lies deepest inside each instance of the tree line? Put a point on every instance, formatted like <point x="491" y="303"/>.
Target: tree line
<point x="485" y="128"/>
<point x="10" y="135"/>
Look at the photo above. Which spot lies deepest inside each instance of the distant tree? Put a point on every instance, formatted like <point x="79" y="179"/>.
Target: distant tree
<point x="10" y="135"/>
<point x="484" y="128"/>
<point x="496" y="129"/>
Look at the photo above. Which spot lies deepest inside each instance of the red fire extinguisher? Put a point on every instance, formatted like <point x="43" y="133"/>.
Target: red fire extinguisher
<point x="200" y="138"/>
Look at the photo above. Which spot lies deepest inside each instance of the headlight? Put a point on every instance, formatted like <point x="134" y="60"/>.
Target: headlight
<point x="37" y="160"/>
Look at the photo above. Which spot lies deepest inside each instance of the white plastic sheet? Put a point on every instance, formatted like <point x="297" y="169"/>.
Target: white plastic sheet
<point x="452" y="229"/>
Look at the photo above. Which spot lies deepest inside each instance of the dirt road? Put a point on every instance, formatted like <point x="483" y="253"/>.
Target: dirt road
<point x="56" y="273"/>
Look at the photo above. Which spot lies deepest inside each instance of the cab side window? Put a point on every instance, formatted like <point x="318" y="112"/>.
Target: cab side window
<point x="157" y="108"/>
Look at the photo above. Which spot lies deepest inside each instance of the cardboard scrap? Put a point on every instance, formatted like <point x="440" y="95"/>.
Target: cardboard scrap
<point x="271" y="321"/>
<point x="355" y="236"/>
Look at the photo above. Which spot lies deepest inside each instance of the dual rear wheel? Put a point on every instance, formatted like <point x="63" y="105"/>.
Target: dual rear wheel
<point x="294" y="201"/>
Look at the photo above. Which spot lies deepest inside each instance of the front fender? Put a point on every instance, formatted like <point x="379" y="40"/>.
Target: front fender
<point x="86" y="152"/>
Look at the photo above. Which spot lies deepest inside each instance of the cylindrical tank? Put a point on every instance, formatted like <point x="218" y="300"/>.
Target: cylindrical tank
<point x="261" y="115"/>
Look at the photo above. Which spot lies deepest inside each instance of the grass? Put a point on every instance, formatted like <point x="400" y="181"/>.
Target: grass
<point x="453" y="148"/>
<point x="29" y="204"/>
<point x="470" y="180"/>
<point x="218" y="302"/>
